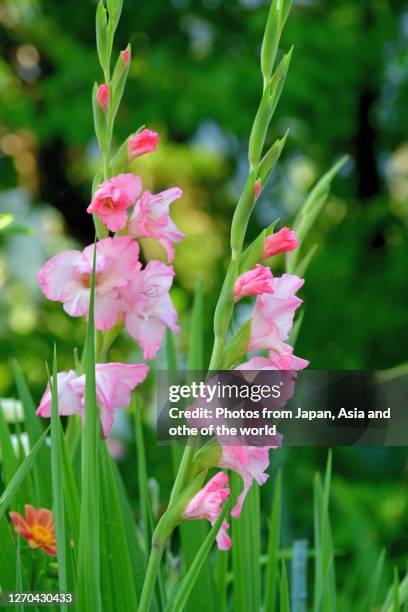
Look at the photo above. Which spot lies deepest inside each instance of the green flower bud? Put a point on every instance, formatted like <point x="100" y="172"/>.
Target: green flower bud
<point x="102" y="43"/>
<point x="101" y="128"/>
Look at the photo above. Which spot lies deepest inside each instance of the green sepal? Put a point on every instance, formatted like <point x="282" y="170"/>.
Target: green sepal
<point x="270" y="98"/>
<point x="260" y="127"/>
<point x="172" y="517"/>
<point x="237" y="346"/>
<point x="278" y="80"/>
<point x="208" y="456"/>
<point x="241" y="215"/>
<point x="101" y="128"/>
<point x="115" y="10"/>
<point x="223" y="311"/>
<point x="270" y="159"/>
<point x="102" y="43"/>
<point x="119" y="78"/>
<point x="254" y="253"/>
<point x="120" y="161"/>
<point x="277" y="17"/>
<point x="310" y="211"/>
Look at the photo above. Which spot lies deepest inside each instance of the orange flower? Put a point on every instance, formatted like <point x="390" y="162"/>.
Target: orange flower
<point x="37" y="528"/>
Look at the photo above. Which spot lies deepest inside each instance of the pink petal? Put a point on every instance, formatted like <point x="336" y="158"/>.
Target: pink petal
<point x="68" y="401"/>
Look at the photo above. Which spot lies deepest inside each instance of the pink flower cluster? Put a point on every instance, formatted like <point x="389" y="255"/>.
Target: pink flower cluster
<point x="250" y="462"/>
<point x="275" y="306"/>
<point x="150" y="217"/>
<point x="125" y="292"/>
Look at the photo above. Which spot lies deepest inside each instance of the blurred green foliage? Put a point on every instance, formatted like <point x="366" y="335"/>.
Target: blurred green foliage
<point x="195" y="78"/>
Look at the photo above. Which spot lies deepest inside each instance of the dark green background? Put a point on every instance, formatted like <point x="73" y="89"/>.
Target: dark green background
<point x="195" y="78"/>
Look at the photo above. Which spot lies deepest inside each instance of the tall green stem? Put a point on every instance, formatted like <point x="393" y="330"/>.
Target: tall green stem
<point x="182" y="471"/>
<point x="150" y="580"/>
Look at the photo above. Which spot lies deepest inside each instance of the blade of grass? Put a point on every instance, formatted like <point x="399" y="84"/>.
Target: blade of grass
<point x="310" y="211"/>
<point x="374" y="586"/>
<point x="42" y="464"/>
<point x="137" y="556"/>
<point x="195" y="358"/>
<point x="117" y="583"/>
<point x="389" y="602"/>
<point x="72" y="501"/>
<point x="9" y="460"/>
<point x="8" y="558"/>
<point x="221" y="582"/>
<point x="144" y="492"/>
<point x="20" y="475"/>
<point x="57" y="483"/>
<point x="19" y="573"/>
<point x="274" y="529"/>
<point x="171" y="357"/>
<point x="88" y="586"/>
<point x="246" y="554"/>
<point x="324" y="560"/>
<point x="284" y="590"/>
<point x="322" y="588"/>
<point x="395" y="592"/>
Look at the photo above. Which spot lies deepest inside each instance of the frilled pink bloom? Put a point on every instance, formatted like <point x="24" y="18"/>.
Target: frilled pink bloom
<point x="208" y="503"/>
<point x="147" y="306"/>
<point x="151" y="219"/>
<point x="250" y="462"/>
<point x="273" y="314"/>
<point x="283" y="241"/>
<point x="114" y="197"/>
<point x="69" y="401"/>
<point x="125" y="56"/>
<point x="254" y="282"/>
<point x="103" y="96"/>
<point x="142" y="142"/>
<point x="276" y="361"/>
<point x="114" y="385"/>
<point x="66" y="278"/>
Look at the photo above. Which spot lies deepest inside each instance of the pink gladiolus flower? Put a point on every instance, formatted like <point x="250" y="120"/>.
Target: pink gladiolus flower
<point x="273" y="314"/>
<point x="148" y="308"/>
<point x="276" y="361"/>
<point x="66" y="278"/>
<point x="250" y="462"/>
<point x="143" y="142"/>
<point x="103" y="96"/>
<point x="114" y="197"/>
<point x="283" y="241"/>
<point x="69" y="402"/>
<point x="208" y="503"/>
<point x="151" y="219"/>
<point x="37" y="527"/>
<point x="258" y="188"/>
<point x="254" y="282"/>
<point x="114" y="385"/>
<point x="125" y="56"/>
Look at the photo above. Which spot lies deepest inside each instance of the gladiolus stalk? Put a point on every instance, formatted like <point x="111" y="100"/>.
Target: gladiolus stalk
<point x="224" y="310"/>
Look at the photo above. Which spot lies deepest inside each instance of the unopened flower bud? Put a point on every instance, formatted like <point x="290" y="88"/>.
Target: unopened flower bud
<point x="103" y="96"/>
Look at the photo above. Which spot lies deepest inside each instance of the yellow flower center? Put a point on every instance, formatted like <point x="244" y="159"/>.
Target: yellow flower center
<point x="41" y="534"/>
